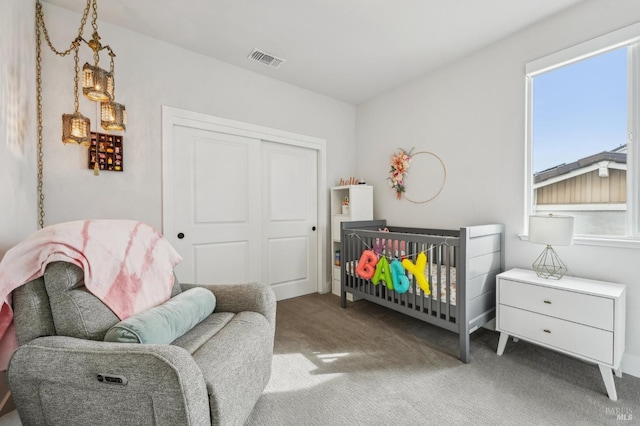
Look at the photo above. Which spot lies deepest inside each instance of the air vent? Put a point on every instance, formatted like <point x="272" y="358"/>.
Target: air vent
<point x="265" y="58"/>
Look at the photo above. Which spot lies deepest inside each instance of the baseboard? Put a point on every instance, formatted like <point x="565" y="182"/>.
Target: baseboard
<point x="631" y="365"/>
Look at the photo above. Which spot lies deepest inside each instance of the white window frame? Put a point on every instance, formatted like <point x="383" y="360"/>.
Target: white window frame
<point x="624" y="37"/>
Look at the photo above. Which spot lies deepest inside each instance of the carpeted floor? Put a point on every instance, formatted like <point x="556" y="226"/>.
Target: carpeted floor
<point x="367" y="365"/>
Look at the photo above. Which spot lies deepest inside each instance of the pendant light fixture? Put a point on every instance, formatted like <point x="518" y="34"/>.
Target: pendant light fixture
<point x="97" y="84"/>
<point x="113" y="116"/>
<point x="76" y="128"/>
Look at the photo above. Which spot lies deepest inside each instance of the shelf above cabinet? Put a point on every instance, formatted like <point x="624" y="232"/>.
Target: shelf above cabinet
<point x="360" y="199"/>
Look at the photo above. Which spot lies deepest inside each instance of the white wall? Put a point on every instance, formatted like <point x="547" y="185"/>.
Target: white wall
<point x="18" y="198"/>
<point x="471" y="113"/>
<point x="149" y="74"/>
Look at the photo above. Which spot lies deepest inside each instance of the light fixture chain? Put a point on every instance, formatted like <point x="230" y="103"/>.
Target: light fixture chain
<point x="113" y="72"/>
<point x="39" y="113"/>
<point x="40" y="23"/>
<point x="94" y="16"/>
<point x="94" y="24"/>
<point x="76" y="80"/>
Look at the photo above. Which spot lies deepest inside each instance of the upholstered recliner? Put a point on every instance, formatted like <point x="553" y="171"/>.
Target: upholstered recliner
<point x="63" y="373"/>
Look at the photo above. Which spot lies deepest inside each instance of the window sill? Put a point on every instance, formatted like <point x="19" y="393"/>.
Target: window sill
<point x="618" y="242"/>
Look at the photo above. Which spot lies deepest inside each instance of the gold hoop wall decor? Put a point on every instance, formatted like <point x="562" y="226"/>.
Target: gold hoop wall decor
<point x="444" y="178"/>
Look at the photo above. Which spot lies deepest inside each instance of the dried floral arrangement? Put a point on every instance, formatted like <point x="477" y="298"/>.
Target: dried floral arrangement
<point x="400" y="163"/>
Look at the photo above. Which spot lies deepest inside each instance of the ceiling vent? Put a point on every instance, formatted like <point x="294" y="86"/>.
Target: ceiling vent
<point x="265" y="58"/>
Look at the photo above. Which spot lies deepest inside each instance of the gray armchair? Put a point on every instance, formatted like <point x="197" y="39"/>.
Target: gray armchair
<point x="63" y="373"/>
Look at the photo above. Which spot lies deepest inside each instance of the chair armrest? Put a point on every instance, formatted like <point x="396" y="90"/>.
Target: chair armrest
<point x="55" y="380"/>
<point x="253" y="297"/>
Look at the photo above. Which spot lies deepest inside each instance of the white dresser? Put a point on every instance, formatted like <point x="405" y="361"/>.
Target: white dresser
<point x="575" y="316"/>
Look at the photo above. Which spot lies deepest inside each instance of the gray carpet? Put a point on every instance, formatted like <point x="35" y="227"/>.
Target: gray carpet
<point x="367" y="365"/>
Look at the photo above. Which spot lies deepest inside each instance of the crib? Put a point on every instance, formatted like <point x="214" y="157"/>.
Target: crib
<point x="461" y="271"/>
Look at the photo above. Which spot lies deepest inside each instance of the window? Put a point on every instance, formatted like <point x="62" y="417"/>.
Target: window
<point x="582" y="109"/>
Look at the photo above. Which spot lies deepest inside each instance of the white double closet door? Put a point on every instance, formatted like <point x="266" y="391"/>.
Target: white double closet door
<point x="244" y="210"/>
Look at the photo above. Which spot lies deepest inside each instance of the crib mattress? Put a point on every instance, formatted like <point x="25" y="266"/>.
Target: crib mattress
<point x="432" y="277"/>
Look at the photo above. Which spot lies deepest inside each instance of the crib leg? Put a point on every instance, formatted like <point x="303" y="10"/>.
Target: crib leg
<point x="464" y="346"/>
<point x="343" y="299"/>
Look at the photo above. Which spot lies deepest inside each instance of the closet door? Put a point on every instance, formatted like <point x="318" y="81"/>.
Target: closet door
<point x="217" y="208"/>
<point x="244" y="210"/>
<point x="289" y="219"/>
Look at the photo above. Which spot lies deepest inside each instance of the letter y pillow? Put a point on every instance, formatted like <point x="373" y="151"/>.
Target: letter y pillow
<point x="418" y="271"/>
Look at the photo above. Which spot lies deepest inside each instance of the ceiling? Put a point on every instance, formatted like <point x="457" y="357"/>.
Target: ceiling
<point x="350" y="50"/>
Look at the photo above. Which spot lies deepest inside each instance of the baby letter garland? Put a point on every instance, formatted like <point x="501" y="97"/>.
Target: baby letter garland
<point x="393" y="274"/>
<point x="374" y="266"/>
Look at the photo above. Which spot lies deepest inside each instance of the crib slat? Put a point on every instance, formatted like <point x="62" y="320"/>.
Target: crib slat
<point x="418" y="290"/>
<point x="369" y="287"/>
<point x="414" y="286"/>
<point x="348" y="253"/>
<point x="447" y="265"/>
<point x="363" y="282"/>
<point x="439" y="273"/>
<point x="427" y="298"/>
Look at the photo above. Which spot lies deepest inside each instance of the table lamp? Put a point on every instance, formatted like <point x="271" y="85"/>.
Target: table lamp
<point x="550" y="230"/>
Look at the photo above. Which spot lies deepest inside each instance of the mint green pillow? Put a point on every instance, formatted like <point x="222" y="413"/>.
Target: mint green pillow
<point x="164" y="323"/>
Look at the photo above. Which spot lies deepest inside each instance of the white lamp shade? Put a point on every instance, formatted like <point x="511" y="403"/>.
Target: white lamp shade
<point x="553" y="230"/>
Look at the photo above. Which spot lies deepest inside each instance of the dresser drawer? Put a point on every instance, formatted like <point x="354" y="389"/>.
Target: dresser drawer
<point x="581" y="308"/>
<point x="568" y="336"/>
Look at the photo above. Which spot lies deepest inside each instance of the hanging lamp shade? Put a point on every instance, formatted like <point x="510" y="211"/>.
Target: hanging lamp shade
<point x="97" y="84"/>
<point x="113" y="116"/>
<point x="76" y="128"/>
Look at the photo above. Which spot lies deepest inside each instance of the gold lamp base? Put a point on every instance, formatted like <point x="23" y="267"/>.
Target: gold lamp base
<point x="548" y="265"/>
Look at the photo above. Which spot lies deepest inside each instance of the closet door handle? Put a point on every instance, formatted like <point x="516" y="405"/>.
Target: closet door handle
<point x="547" y="331"/>
<point x="313" y="228"/>
<point x="180" y="235"/>
<point x="548" y="302"/>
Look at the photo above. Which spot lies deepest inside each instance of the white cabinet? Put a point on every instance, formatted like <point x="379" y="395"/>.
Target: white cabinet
<point x="358" y="200"/>
<point x="575" y="316"/>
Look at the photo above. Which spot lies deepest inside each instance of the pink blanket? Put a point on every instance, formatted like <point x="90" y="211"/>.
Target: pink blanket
<point x="128" y="265"/>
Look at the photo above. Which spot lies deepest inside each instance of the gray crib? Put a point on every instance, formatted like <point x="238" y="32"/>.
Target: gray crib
<point x="461" y="269"/>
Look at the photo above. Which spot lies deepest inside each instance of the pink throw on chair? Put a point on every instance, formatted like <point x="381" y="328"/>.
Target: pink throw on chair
<point x="128" y="265"/>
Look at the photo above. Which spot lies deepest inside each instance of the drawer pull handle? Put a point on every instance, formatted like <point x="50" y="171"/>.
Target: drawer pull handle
<point x="548" y="302"/>
<point x="547" y="331"/>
